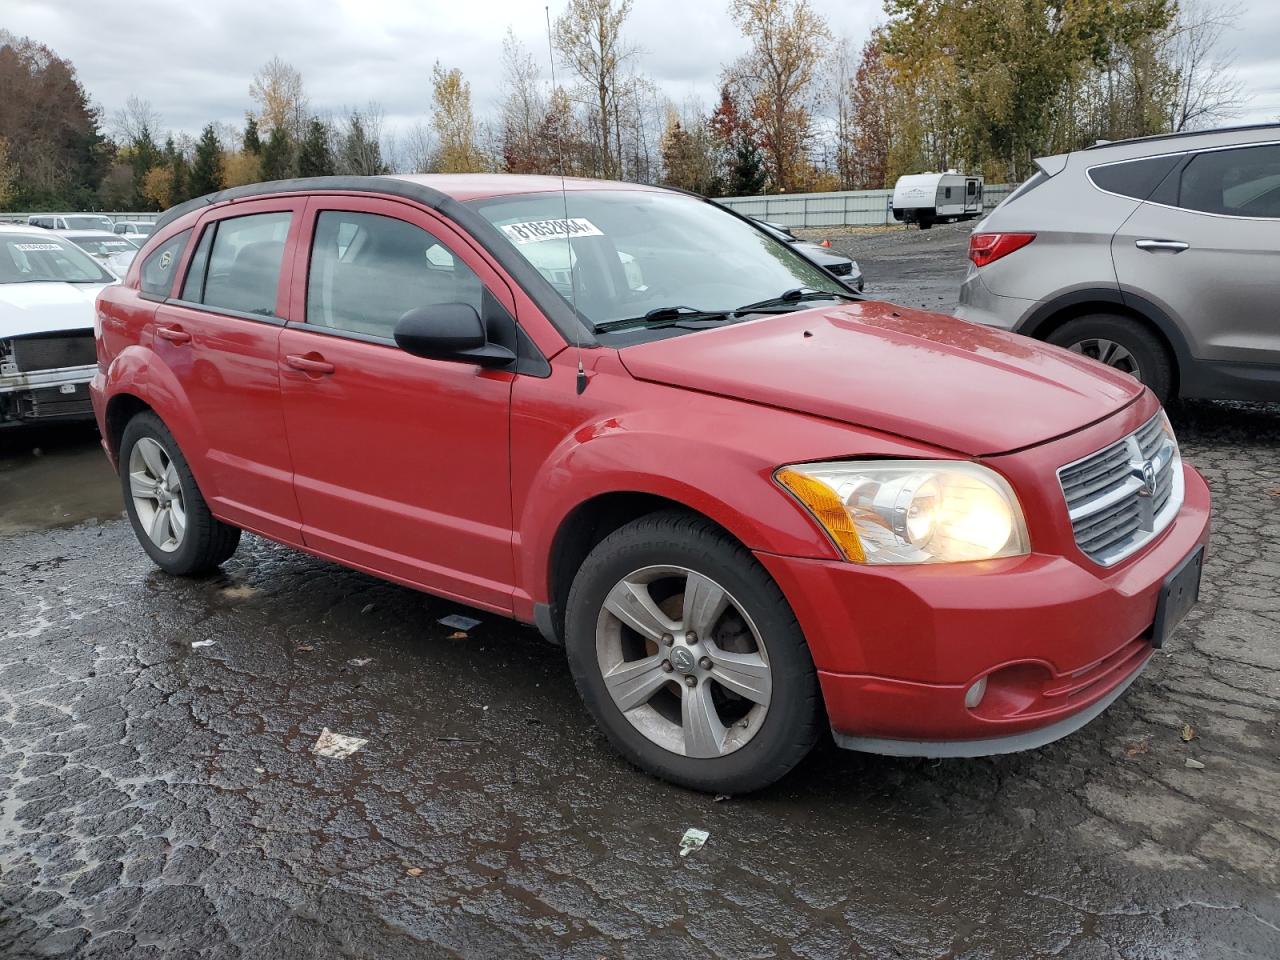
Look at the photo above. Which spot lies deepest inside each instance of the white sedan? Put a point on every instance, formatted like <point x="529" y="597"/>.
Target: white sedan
<point x="113" y="252"/>
<point x="48" y="288"/>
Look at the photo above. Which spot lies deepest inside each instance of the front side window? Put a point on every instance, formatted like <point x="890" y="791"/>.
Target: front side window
<point x="1241" y="182"/>
<point x="367" y="271"/>
<point x="237" y="265"/>
<point x="620" y="255"/>
<point x="159" y="269"/>
<point x="32" y="258"/>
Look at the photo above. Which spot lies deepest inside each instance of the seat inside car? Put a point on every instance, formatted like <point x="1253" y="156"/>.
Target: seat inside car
<point x="250" y="285"/>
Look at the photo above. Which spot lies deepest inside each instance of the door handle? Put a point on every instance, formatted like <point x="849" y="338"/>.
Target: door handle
<point x="173" y="334"/>
<point x="312" y="363"/>
<point x="1161" y="246"/>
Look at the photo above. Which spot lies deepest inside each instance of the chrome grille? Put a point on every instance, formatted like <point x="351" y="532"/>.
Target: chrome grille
<point x="1123" y="495"/>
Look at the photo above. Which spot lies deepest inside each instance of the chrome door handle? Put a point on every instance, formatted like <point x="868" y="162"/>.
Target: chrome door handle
<point x="1161" y="246"/>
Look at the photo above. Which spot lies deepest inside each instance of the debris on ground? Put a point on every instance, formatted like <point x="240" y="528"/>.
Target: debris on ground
<point x="196" y="644"/>
<point x="693" y="840"/>
<point x="1188" y="733"/>
<point x="336" y="745"/>
<point x="304" y="648"/>
<point x="1194" y="764"/>
<point x="414" y="871"/>
<point x="240" y="591"/>
<point x="360" y="661"/>
<point x="459" y="622"/>
<point x="1136" y="749"/>
<point x="458" y="635"/>
<point x="721" y="797"/>
<point x="367" y="608"/>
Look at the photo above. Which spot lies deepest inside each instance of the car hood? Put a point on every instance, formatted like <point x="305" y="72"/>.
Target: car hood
<point x="923" y="376"/>
<point x="46" y="307"/>
<point x="821" y="254"/>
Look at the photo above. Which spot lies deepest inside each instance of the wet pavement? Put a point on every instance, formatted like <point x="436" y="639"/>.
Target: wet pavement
<point x="160" y="796"/>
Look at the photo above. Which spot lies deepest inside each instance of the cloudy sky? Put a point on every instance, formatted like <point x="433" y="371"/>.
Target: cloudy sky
<point x="193" y="59"/>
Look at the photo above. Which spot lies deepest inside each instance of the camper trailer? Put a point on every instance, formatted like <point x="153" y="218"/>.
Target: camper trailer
<point x="929" y="198"/>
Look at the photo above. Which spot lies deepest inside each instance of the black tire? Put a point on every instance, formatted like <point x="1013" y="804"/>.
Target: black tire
<point x="792" y="722"/>
<point x="926" y="222"/>
<point x="1155" y="366"/>
<point x="207" y="542"/>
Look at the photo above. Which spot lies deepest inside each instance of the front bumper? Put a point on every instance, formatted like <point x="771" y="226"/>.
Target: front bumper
<point x="42" y="396"/>
<point x="1057" y="639"/>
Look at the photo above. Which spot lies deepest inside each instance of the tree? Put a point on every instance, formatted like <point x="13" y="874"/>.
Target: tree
<point x="252" y="140"/>
<point x="522" y="111"/>
<point x="741" y="165"/>
<point x="157" y="187"/>
<point x="143" y="156"/>
<point x="454" y="124"/>
<point x="788" y="41"/>
<point x="589" y="36"/>
<point x="276" y="159"/>
<point x="1208" y="89"/>
<point x="315" y="157"/>
<point x="359" y="151"/>
<point x="282" y="102"/>
<point x="175" y="158"/>
<point x="8" y="175"/>
<point x="688" y="151"/>
<point x="866" y="143"/>
<point x="206" y="168"/>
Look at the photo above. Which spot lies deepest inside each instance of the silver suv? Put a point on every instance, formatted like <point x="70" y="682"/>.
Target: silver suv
<point x="1158" y="256"/>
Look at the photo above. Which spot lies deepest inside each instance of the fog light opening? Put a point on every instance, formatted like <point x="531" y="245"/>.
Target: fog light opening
<point x="973" y="696"/>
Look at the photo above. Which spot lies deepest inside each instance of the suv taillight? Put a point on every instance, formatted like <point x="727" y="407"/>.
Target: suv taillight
<point x="987" y="248"/>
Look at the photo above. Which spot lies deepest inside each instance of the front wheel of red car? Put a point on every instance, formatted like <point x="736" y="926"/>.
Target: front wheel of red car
<point x="169" y="514"/>
<point x="690" y="658"/>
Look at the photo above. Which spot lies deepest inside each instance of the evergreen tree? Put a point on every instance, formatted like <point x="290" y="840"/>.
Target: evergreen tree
<point x="178" y="168"/>
<point x="315" y="159"/>
<point x="747" y="174"/>
<point x="359" y="154"/>
<point x="252" y="142"/>
<point x="276" y="159"/>
<point x="143" y="155"/>
<point x="206" y="168"/>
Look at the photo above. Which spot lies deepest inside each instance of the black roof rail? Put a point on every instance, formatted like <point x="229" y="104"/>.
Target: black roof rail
<point x="1185" y="133"/>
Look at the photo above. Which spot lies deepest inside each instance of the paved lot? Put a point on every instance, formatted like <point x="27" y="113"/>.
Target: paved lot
<point x="160" y="798"/>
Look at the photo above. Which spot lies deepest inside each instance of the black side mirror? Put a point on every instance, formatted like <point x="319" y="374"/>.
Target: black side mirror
<point x="449" y="331"/>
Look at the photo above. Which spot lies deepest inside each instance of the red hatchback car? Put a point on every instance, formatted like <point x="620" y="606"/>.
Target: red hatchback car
<point x="749" y="503"/>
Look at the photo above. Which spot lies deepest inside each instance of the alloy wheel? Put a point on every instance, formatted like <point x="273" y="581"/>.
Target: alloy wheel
<point x="683" y="661"/>
<point x="156" y="490"/>
<point x="1110" y="353"/>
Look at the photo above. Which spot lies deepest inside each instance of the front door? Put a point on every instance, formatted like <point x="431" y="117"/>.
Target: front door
<point x="400" y="463"/>
<point x="218" y="336"/>
<point x="1208" y="254"/>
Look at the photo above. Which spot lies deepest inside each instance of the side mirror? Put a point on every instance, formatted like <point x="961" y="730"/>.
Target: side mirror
<point x="449" y="331"/>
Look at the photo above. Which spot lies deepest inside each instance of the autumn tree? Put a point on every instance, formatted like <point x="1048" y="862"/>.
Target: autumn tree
<point x="207" y="175"/>
<point x="741" y="164"/>
<point x="688" y="152"/>
<point x="8" y="175"/>
<point x="282" y="102"/>
<point x="157" y="187"/>
<point x="522" y="111"/>
<point x="865" y="143"/>
<point x="455" y="126"/>
<point x="779" y="77"/>
<point x="589" y="37"/>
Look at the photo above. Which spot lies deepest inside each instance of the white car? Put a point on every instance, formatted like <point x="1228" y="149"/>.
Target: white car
<point x="134" y="230"/>
<point x="70" y="221"/>
<point x="48" y="289"/>
<point x="113" y="252"/>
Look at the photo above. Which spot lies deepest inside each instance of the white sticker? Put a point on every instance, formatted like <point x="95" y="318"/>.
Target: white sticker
<point x="535" y="231"/>
<point x="37" y="246"/>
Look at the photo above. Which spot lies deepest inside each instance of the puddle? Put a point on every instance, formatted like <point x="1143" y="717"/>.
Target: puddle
<point x="66" y="482"/>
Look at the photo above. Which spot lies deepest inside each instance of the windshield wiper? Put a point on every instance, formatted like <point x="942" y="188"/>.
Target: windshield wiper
<point x="794" y="296"/>
<point x="663" y="316"/>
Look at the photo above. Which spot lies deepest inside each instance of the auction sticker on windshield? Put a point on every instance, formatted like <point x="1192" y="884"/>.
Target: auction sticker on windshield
<point x="534" y="231"/>
<point x="36" y="246"/>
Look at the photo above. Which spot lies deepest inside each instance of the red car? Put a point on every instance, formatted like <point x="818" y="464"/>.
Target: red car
<point x="748" y="502"/>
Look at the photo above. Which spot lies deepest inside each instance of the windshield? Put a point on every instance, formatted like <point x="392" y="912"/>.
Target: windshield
<point x="34" y="259"/>
<point x="89" y="223"/>
<point x="104" y="246"/>
<point x="632" y="253"/>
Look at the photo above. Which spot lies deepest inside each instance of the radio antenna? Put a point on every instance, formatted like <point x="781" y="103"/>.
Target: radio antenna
<point x="564" y="197"/>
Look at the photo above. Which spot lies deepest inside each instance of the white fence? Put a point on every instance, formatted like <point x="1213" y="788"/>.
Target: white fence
<point x="845" y="208"/>
<point x="116" y="217"/>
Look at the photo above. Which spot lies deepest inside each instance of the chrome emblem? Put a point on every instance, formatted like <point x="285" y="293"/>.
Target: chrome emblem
<point x="1147" y="472"/>
<point x="682" y="659"/>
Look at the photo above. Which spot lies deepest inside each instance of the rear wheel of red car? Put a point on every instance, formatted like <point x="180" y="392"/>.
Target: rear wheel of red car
<point x="1123" y="344"/>
<point x="167" y="510"/>
<point x="689" y="656"/>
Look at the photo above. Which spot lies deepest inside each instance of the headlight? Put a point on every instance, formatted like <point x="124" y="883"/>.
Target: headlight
<point x="911" y="511"/>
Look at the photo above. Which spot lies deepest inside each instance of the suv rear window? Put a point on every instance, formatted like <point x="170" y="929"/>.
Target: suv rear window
<point x="1137" y="179"/>
<point x="1241" y="182"/>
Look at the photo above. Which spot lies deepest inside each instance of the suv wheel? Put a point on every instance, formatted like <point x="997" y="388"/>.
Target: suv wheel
<point x="689" y="657"/>
<point x="169" y="515"/>
<point x="1121" y="343"/>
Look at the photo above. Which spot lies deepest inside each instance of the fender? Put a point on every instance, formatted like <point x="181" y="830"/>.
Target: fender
<point x="137" y="371"/>
<point x="1040" y="316"/>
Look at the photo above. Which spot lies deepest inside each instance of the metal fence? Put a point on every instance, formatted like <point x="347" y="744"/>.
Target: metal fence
<point x="116" y="217"/>
<point x="845" y="208"/>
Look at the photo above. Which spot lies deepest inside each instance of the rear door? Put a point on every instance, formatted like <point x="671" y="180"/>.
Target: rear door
<point x="218" y="337"/>
<point x="401" y="463"/>
<point x="1205" y="248"/>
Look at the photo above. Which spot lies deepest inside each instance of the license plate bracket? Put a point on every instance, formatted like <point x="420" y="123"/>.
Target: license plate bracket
<point x="1178" y="594"/>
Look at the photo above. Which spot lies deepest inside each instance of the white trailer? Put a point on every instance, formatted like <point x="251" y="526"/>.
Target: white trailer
<point x="929" y="198"/>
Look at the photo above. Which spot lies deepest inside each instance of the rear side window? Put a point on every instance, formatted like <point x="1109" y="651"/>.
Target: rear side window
<point x="367" y="271"/>
<point x="1137" y="179"/>
<point x="159" y="269"/>
<point x="1242" y="182"/>
<point x="237" y="265"/>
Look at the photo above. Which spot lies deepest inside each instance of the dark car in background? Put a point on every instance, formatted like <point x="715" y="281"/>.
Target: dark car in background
<point x="845" y="269"/>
